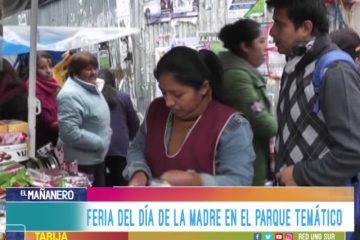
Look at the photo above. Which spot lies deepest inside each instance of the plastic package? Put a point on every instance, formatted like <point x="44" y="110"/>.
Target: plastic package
<point x="13" y="140"/>
<point x="158" y="183"/>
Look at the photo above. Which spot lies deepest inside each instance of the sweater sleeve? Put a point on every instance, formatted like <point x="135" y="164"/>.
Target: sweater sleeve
<point x="235" y="156"/>
<point x="339" y="103"/>
<point x="136" y="158"/>
<point x="244" y="96"/>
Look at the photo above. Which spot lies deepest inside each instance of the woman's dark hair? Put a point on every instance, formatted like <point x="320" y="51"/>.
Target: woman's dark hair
<point x="241" y="31"/>
<point x="22" y="66"/>
<point x="214" y="65"/>
<point x="192" y="68"/>
<point x="79" y="61"/>
<point x="109" y="91"/>
<point x="23" y="61"/>
<point x="44" y="55"/>
<point x="299" y="11"/>
<point x="7" y="68"/>
<point x="347" y="40"/>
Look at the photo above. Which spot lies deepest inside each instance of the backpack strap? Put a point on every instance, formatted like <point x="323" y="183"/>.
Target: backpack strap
<point x="322" y="64"/>
<point x="320" y="67"/>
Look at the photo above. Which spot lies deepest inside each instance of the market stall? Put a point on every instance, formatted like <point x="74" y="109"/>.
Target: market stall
<point x="48" y="167"/>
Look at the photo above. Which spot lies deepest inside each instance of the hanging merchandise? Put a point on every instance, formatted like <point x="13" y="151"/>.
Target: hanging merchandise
<point x="211" y="42"/>
<point x="184" y="8"/>
<point x="103" y="56"/>
<point x="342" y="13"/>
<point x="274" y="61"/>
<point x="258" y="10"/>
<point x="104" y="59"/>
<point x="156" y="11"/>
<point x="122" y="13"/>
<point x="238" y="8"/>
<point x="60" y="69"/>
<point x="185" y="36"/>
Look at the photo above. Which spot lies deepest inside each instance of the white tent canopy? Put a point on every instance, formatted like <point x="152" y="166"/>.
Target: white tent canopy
<point x="16" y="39"/>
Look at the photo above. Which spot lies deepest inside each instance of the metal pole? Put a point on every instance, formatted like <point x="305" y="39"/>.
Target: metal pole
<point x="135" y="11"/>
<point x="1" y="31"/>
<point x="32" y="77"/>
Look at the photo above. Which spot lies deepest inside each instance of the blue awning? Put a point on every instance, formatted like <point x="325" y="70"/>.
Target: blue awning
<point x="16" y="39"/>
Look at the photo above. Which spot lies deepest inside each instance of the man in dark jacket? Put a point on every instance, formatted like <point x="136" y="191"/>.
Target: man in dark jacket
<point x="314" y="149"/>
<point x="124" y="123"/>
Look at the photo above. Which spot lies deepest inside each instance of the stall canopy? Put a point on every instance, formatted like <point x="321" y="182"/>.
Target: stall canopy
<point x="16" y="39"/>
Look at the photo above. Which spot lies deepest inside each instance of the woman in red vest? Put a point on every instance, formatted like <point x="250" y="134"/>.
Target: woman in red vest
<point x="189" y="138"/>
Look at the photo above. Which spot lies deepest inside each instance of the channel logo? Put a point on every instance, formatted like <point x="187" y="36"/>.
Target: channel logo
<point x="278" y="236"/>
<point x="257" y="236"/>
<point x="289" y="236"/>
<point x="268" y="236"/>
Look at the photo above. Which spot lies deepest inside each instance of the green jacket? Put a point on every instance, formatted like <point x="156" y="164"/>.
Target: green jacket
<point x="245" y="90"/>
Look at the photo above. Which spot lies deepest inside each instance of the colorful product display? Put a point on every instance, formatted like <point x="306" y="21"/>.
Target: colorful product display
<point x="13" y="140"/>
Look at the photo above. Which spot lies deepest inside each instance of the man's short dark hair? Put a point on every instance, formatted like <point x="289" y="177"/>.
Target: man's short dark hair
<point x="301" y="10"/>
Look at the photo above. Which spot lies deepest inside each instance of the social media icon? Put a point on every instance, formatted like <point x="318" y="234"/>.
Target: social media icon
<point x="289" y="236"/>
<point x="257" y="236"/>
<point x="268" y="236"/>
<point x="278" y="236"/>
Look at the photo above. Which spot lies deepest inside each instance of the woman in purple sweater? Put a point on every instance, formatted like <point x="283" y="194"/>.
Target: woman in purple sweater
<point x="124" y="123"/>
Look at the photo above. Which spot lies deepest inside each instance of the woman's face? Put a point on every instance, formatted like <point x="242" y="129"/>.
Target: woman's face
<point x="88" y="74"/>
<point x="256" y="52"/>
<point x="44" y="68"/>
<point x="184" y="101"/>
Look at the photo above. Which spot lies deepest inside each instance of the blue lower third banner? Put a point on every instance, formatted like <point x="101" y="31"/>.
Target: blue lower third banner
<point x="180" y="213"/>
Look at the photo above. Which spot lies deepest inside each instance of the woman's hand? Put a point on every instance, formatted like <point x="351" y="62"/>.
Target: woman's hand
<point x="181" y="178"/>
<point x="138" y="179"/>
